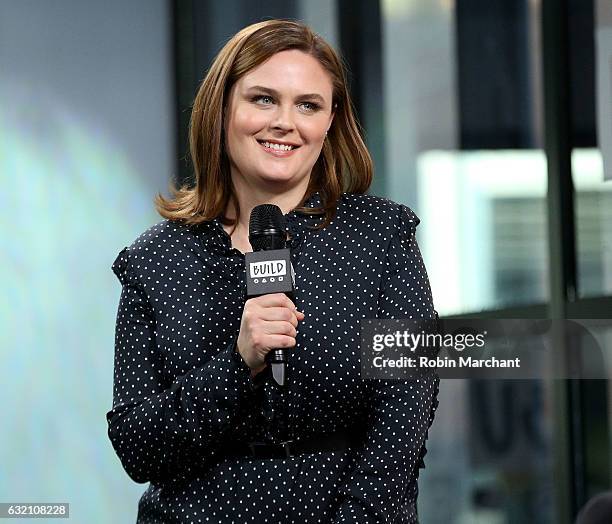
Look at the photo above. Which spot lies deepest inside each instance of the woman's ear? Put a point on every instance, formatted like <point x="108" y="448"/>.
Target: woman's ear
<point x="331" y="118"/>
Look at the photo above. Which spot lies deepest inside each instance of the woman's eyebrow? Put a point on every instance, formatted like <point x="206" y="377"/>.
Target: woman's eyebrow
<point x="276" y="93"/>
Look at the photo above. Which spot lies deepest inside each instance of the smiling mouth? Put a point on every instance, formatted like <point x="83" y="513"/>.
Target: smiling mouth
<point x="277" y="147"/>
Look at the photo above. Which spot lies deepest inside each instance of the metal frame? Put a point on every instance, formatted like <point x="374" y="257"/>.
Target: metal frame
<point x="567" y="447"/>
<point x="360" y="31"/>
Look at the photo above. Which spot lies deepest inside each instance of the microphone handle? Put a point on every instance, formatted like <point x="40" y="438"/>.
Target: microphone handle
<point x="277" y="359"/>
<point x="276" y="355"/>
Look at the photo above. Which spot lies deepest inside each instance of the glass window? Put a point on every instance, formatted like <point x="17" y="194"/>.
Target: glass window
<point x="591" y="44"/>
<point x="464" y="146"/>
<point x="593" y="223"/>
<point x="463" y="118"/>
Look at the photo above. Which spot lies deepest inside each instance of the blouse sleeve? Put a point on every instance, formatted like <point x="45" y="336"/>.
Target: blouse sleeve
<point x="160" y="433"/>
<point x="401" y="411"/>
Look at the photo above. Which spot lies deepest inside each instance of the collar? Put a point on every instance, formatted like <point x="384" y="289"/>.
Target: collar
<point x="298" y="225"/>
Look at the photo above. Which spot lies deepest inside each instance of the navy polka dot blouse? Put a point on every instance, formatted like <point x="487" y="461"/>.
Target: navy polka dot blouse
<point x="182" y="392"/>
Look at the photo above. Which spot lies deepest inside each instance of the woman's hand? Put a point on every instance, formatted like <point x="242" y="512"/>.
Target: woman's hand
<point x="268" y="322"/>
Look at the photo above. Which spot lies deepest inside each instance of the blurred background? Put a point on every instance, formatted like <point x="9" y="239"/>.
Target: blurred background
<point x="490" y="118"/>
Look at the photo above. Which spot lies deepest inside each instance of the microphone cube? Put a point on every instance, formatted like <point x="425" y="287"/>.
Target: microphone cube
<point x="269" y="271"/>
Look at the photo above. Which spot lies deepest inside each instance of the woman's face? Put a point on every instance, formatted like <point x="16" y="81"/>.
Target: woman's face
<point x="276" y="120"/>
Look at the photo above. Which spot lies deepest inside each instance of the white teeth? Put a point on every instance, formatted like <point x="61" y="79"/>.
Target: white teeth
<point x="278" y="147"/>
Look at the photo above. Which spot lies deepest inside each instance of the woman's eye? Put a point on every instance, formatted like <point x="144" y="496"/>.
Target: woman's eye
<point x="262" y="98"/>
<point x="309" y="107"/>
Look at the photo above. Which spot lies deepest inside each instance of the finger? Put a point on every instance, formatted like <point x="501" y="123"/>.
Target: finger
<point x="278" y="313"/>
<point x="280" y="341"/>
<point x="274" y="299"/>
<point x="279" y="328"/>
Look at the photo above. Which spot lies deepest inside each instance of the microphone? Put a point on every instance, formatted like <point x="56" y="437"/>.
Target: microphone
<point x="269" y="269"/>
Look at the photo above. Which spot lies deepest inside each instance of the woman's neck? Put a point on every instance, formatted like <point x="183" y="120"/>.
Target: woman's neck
<point x="249" y="197"/>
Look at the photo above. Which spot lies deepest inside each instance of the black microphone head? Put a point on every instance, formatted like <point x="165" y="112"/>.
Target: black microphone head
<point x="267" y="228"/>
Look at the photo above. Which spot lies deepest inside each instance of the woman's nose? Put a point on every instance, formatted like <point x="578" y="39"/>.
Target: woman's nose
<point x="283" y="118"/>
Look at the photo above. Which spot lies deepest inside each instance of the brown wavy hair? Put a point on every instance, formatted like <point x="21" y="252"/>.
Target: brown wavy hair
<point x="344" y="164"/>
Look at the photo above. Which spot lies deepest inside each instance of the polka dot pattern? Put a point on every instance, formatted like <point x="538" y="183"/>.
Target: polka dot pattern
<point x="182" y="392"/>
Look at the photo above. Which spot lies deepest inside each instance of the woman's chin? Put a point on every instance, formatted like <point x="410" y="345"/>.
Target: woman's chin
<point x="282" y="179"/>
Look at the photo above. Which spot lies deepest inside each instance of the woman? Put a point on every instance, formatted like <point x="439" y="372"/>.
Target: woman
<point x="195" y="411"/>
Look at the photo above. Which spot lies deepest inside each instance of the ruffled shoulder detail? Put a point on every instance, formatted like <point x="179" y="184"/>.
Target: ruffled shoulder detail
<point x="121" y="264"/>
<point x="408" y="223"/>
<point x="402" y="248"/>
